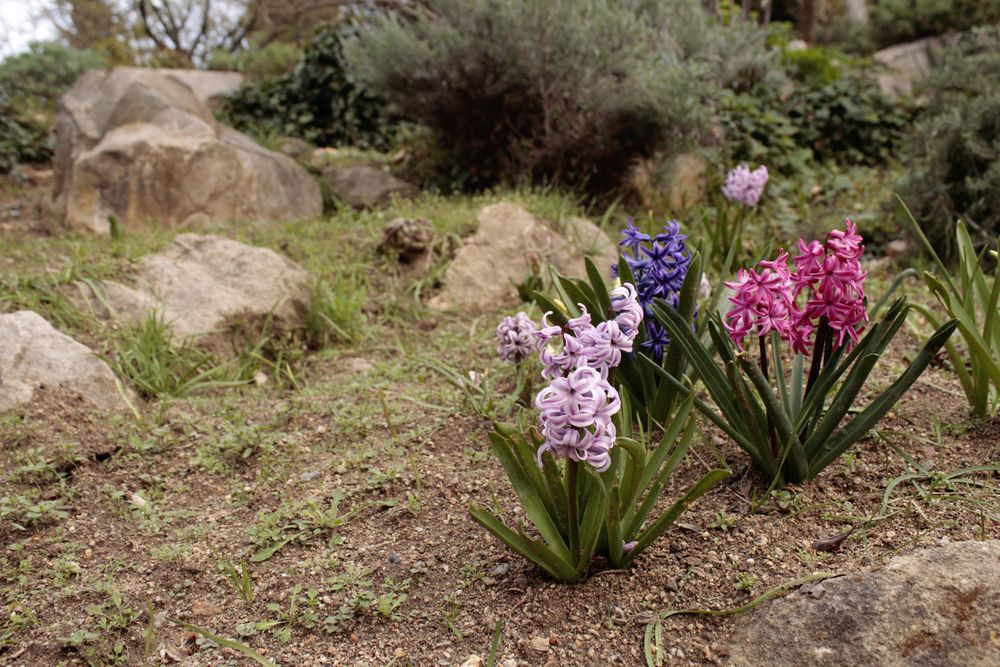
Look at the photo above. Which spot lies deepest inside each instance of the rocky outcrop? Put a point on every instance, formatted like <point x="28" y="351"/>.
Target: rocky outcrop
<point x="508" y="246"/>
<point x="207" y="287"/>
<point x="34" y="355"/>
<point x="937" y="606"/>
<point x="365" y="186"/>
<point x="142" y="145"/>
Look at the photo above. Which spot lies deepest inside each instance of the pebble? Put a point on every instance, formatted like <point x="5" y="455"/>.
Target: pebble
<point x="473" y="661"/>
<point x="501" y="569"/>
<point x="538" y="643"/>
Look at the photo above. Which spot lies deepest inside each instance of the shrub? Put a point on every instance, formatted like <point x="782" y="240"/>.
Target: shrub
<point x="832" y="112"/>
<point x="953" y="153"/>
<point x="30" y="84"/>
<point x="258" y="63"/>
<point x="566" y="91"/>
<point x="35" y="79"/>
<point x="318" y="101"/>
<point x="894" y="21"/>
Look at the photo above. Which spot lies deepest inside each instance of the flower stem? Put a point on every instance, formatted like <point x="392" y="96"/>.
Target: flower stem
<point x="819" y="348"/>
<point x="574" y="520"/>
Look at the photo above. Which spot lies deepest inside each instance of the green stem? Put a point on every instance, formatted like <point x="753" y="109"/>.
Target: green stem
<point x="817" y="361"/>
<point x="574" y="520"/>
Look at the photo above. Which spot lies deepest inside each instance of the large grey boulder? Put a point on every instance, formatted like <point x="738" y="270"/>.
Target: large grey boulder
<point x="905" y="65"/>
<point x="142" y="145"/>
<point x="33" y="354"/>
<point x="936" y="606"/>
<point x="364" y="185"/>
<point x="509" y="243"/>
<point x="207" y="287"/>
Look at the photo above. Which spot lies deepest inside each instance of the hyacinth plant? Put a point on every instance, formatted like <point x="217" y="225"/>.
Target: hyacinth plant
<point x="742" y="191"/>
<point x="586" y="475"/>
<point x="973" y="298"/>
<point x="661" y="268"/>
<point x="793" y="425"/>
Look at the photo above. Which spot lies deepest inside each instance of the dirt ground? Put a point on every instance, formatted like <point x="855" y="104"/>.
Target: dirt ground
<point x="346" y="495"/>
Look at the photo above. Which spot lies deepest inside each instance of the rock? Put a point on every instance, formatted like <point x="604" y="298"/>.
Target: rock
<point x="897" y="248"/>
<point x="205" y="608"/>
<point x="207" y="287"/>
<point x="33" y="354"/>
<point x="365" y="186"/>
<point x="294" y="147"/>
<point x="936" y="606"/>
<point x="473" y="661"/>
<point x="141" y="144"/>
<point x="540" y="644"/>
<point x="502" y="251"/>
<point x="670" y="185"/>
<point x="907" y="64"/>
<point x="410" y="242"/>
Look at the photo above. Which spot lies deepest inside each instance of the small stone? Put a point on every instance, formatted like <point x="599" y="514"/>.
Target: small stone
<point x="205" y="608"/>
<point x="309" y="475"/>
<point x="671" y="585"/>
<point x="473" y="661"/>
<point x="260" y="378"/>
<point x="540" y="644"/>
<point x="501" y="569"/>
<point x="395" y="559"/>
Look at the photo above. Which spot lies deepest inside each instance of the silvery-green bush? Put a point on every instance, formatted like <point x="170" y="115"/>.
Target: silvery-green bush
<point x="564" y="91"/>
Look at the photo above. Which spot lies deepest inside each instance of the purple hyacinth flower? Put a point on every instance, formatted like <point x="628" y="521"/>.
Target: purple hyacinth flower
<point x="516" y="337"/>
<point x="745" y="187"/>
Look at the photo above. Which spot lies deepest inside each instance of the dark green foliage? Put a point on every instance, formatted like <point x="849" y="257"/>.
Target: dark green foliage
<point x="21" y="140"/>
<point x="30" y="84"/>
<point x="566" y="91"/>
<point x="833" y="113"/>
<point x="318" y="101"/>
<point x="894" y="21"/>
<point x="953" y="155"/>
<point x="36" y="78"/>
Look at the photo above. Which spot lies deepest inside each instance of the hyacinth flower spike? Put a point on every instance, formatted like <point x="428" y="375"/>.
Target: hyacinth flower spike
<point x="791" y="425"/>
<point x="585" y="472"/>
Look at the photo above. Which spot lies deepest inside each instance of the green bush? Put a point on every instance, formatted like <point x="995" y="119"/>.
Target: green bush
<point x="565" y="91"/>
<point x="832" y="111"/>
<point x="258" y="63"/>
<point x="318" y="101"/>
<point x="953" y="153"/>
<point x="894" y="21"/>
<point x="30" y="84"/>
<point x="21" y="140"/>
<point x="35" y="79"/>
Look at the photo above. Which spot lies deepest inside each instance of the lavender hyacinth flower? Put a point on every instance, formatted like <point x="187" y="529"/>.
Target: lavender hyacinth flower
<point x="745" y="187"/>
<point x="575" y="414"/>
<point x="516" y="337"/>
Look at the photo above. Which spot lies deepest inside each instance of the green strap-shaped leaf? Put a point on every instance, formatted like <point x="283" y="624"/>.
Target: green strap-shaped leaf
<point x="665" y="520"/>
<point x="534" y="507"/>
<point x="597" y="284"/>
<point x="552" y="564"/>
<point x="864" y="421"/>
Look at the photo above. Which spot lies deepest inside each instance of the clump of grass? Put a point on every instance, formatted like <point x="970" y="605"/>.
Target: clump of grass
<point x="335" y="313"/>
<point x="159" y="365"/>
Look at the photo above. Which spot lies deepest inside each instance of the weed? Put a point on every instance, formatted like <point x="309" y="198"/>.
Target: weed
<point x="300" y="522"/>
<point x="335" y="314"/>
<point x="238" y="576"/>
<point x="158" y="365"/>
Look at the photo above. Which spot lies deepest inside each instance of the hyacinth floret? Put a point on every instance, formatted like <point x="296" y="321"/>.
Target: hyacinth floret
<point x="745" y="187"/>
<point x="830" y="277"/>
<point x="516" y="337"/>
<point x="659" y="265"/>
